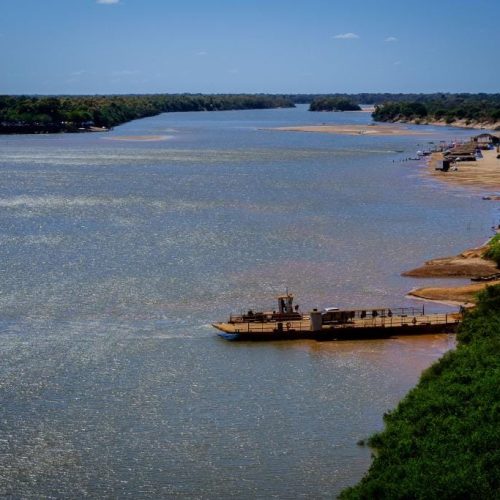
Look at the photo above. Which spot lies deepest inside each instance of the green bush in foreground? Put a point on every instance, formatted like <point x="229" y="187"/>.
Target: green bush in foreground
<point x="493" y="251"/>
<point x="443" y="439"/>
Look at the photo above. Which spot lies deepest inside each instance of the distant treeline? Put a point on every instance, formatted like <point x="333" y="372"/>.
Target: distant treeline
<point x="385" y="97"/>
<point x="442" y="441"/>
<point x="363" y="98"/>
<point x="473" y="108"/>
<point x="28" y="114"/>
<point x="333" y="104"/>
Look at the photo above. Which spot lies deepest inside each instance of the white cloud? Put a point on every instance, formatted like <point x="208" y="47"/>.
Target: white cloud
<point x="108" y="2"/>
<point x="346" y="36"/>
<point x="397" y="63"/>
<point x="390" y="39"/>
<point x="202" y="53"/>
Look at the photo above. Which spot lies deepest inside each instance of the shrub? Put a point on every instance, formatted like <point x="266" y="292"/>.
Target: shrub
<point x="442" y="439"/>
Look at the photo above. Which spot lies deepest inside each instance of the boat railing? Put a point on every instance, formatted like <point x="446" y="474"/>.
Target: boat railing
<point x="404" y="320"/>
<point x="393" y="321"/>
<point x="264" y="318"/>
<point x="273" y="326"/>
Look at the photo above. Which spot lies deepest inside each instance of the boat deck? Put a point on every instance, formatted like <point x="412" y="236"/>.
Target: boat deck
<point x="408" y="324"/>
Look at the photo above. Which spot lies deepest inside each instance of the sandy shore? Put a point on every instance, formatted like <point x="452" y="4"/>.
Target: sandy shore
<point x="464" y="295"/>
<point x="468" y="264"/>
<point x="483" y="173"/>
<point x="487" y="127"/>
<point x="392" y="129"/>
<point x="142" y="138"/>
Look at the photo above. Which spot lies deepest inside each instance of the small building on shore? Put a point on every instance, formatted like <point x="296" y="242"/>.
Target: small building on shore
<point x="462" y="152"/>
<point x="485" y="140"/>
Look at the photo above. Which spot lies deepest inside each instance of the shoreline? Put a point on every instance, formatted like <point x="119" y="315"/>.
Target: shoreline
<point x="486" y="126"/>
<point x="469" y="264"/>
<point x="139" y="138"/>
<point x="482" y="174"/>
<point x="464" y="295"/>
<point x="370" y="129"/>
<point x="460" y="380"/>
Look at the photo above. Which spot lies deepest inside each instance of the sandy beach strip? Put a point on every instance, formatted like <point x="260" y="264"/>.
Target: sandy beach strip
<point x="141" y="138"/>
<point x="483" y="126"/>
<point x="483" y="173"/>
<point x="393" y="129"/>
<point x="468" y="264"/>
<point x="463" y="295"/>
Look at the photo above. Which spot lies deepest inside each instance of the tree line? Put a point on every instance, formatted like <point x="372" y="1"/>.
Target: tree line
<point x="73" y="113"/>
<point x="333" y="104"/>
<point x="440" y="106"/>
<point x="23" y="114"/>
<point x="480" y="108"/>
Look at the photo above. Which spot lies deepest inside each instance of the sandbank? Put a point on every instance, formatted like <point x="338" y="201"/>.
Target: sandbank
<point x="485" y="126"/>
<point x="468" y="264"/>
<point x="483" y="173"/>
<point x="393" y="129"/>
<point x="142" y="138"/>
<point x="454" y="295"/>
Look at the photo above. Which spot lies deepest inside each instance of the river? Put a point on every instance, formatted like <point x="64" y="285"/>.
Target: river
<point x="117" y="255"/>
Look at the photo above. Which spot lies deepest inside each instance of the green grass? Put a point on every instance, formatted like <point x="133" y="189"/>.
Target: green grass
<point x="443" y="439"/>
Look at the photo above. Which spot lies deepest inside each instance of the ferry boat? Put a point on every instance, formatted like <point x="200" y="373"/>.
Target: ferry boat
<point x="333" y="323"/>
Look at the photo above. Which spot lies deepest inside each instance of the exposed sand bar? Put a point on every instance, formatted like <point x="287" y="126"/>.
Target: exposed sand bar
<point x="393" y="129"/>
<point x="141" y="138"/>
<point x="483" y="173"/>
<point x="484" y="126"/>
<point x="454" y="295"/>
<point x="468" y="264"/>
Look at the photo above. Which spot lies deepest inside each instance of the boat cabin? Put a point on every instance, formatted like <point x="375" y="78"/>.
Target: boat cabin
<point x="341" y="317"/>
<point x="286" y="311"/>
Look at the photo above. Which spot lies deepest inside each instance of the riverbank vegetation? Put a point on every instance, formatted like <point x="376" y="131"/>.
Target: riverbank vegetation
<point x="333" y="104"/>
<point x="30" y="114"/>
<point x="442" y="439"/>
<point x="448" y="108"/>
<point x="493" y="251"/>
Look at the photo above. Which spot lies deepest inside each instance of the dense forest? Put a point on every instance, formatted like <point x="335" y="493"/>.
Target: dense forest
<point x="473" y="108"/>
<point x="442" y="439"/>
<point x="385" y="97"/>
<point x="25" y="114"/>
<point x="333" y="104"/>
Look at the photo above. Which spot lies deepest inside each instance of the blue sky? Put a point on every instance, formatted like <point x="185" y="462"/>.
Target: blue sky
<point x="313" y="46"/>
